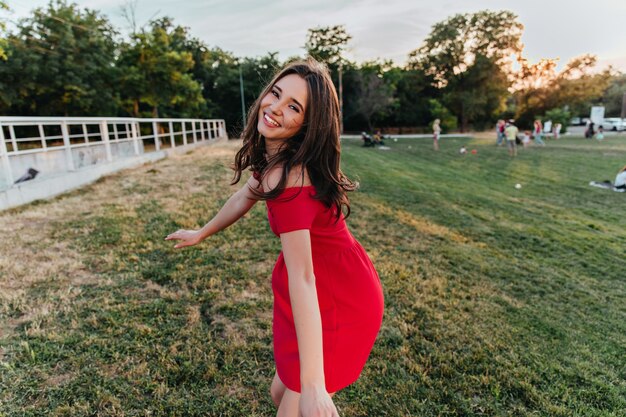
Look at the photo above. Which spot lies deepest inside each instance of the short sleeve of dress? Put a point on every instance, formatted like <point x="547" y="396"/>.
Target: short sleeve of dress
<point x="294" y="209"/>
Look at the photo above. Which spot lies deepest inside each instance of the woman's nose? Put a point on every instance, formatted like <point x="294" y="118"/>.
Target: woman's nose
<point x="275" y="107"/>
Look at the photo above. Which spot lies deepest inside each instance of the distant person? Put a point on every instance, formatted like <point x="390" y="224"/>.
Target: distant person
<point x="526" y="138"/>
<point x="511" y="132"/>
<point x="557" y="130"/>
<point x="538" y="133"/>
<point x="500" y="136"/>
<point x="436" y="133"/>
<point x="619" y="185"/>
<point x="589" y="130"/>
<point x="600" y="133"/>
<point x="463" y="150"/>
<point x="378" y="138"/>
<point x="367" y="140"/>
<point x="620" y="179"/>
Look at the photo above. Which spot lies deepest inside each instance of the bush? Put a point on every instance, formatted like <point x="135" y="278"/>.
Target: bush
<point x="438" y="111"/>
<point x="558" y="115"/>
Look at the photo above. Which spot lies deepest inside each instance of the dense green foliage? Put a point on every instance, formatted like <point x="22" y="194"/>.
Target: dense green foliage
<point x="465" y="55"/>
<point x="613" y="97"/>
<point x="499" y="301"/>
<point x="64" y="60"/>
<point x="3" y="42"/>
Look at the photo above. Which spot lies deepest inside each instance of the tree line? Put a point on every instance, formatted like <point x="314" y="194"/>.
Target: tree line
<point x="64" y="60"/>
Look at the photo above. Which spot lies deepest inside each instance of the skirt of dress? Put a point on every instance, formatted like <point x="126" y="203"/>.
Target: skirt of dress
<point x="351" y="305"/>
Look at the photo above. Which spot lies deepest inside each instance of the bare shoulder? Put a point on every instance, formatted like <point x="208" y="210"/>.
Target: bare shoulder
<point x="297" y="176"/>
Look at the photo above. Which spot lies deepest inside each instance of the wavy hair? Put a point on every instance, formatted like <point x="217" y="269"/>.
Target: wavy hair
<point x="316" y="146"/>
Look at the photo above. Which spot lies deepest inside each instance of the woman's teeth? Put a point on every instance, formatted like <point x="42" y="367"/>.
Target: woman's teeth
<point x="270" y="120"/>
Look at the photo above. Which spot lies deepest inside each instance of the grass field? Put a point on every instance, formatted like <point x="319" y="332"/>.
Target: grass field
<point x="499" y="301"/>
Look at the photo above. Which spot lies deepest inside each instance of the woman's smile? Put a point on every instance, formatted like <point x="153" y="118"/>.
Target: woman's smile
<point x="269" y="121"/>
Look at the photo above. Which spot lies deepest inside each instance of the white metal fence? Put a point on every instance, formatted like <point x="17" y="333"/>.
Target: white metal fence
<point x="54" y="145"/>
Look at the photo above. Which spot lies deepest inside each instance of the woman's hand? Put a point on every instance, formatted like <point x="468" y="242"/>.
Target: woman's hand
<point x="315" y="402"/>
<point x="188" y="238"/>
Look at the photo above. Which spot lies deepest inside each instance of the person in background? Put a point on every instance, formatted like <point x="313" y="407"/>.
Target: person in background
<point x="378" y="138"/>
<point x="620" y="179"/>
<point x="436" y="133"/>
<point x="589" y="130"/>
<point x="556" y="130"/>
<point x="600" y="134"/>
<point x="526" y="138"/>
<point x="500" y="137"/>
<point x="511" y="132"/>
<point x="538" y="133"/>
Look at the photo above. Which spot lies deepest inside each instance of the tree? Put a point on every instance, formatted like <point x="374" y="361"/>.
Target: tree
<point x="327" y="44"/>
<point x="438" y="111"/>
<point x="578" y="86"/>
<point x="479" y="94"/>
<point x="558" y="116"/>
<point x="3" y="6"/>
<point x="539" y="88"/>
<point x="61" y="63"/>
<point x="453" y="45"/>
<point x="468" y="57"/>
<point x="614" y="95"/>
<point x="156" y="73"/>
<point x="373" y="96"/>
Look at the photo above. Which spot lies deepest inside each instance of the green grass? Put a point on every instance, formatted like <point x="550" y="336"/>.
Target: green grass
<point x="498" y="301"/>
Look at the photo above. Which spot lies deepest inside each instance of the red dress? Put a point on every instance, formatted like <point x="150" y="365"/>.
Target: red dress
<point x="349" y="292"/>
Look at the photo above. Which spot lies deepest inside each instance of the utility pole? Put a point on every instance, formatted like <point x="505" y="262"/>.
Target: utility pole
<point x="624" y="106"/>
<point x="341" y="98"/>
<point x="243" y="105"/>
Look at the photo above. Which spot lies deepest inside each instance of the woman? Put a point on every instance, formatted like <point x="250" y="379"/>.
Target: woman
<point x="538" y="133"/>
<point x="328" y="301"/>
<point x="436" y="132"/>
<point x="620" y="180"/>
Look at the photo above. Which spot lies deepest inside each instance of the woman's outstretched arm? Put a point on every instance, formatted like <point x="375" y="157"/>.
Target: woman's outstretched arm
<point x="314" y="399"/>
<point x="237" y="205"/>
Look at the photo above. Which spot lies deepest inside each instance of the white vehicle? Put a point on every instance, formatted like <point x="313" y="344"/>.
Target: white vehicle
<point x="614" y="123"/>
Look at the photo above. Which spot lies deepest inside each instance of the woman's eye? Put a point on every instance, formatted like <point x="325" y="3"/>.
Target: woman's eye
<point x="275" y="93"/>
<point x="294" y="108"/>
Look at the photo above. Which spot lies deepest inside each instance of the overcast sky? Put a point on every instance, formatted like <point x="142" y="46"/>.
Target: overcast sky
<point x="380" y="28"/>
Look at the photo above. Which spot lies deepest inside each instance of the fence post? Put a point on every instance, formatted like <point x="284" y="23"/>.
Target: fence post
<point x="104" y="134"/>
<point x="44" y="145"/>
<point x="202" y="129"/>
<point x="155" y="131"/>
<point x="184" y="133"/>
<point x="193" y="129"/>
<point x="66" y="145"/>
<point x="172" y="140"/>
<point x="13" y="140"/>
<point x="5" y="158"/>
<point x="133" y="130"/>
<point x="85" y="133"/>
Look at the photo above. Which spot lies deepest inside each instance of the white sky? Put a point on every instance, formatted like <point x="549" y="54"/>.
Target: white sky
<point x="387" y="29"/>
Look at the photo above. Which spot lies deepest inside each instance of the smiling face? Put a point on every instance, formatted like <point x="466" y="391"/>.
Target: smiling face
<point x="282" y="110"/>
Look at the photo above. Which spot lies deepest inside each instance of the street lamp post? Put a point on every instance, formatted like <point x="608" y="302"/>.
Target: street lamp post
<point x="243" y="104"/>
<point x="340" y="98"/>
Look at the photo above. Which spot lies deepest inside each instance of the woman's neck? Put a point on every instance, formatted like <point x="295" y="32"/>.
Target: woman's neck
<point x="272" y="147"/>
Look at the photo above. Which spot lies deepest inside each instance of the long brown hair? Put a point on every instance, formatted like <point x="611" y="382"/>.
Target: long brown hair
<point x="316" y="146"/>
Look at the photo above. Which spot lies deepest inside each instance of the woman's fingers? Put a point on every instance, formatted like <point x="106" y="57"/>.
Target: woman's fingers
<point x="175" y="235"/>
